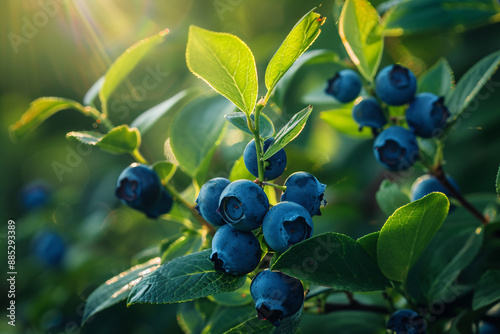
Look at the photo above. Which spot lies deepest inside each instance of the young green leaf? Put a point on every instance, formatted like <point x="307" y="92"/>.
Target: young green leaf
<point x="488" y="290"/>
<point x="334" y="260"/>
<point x="288" y="132"/>
<point x="93" y="92"/>
<point x="147" y="119"/>
<point x="117" y="288"/>
<point x="471" y="83"/>
<point x="121" y="139"/>
<point x="359" y="29"/>
<point x="165" y="170"/>
<point x="39" y="111"/>
<point x="85" y="137"/>
<point x="125" y="63"/>
<point x="225" y="63"/>
<point x="185" y="278"/>
<point x="390" y="197"/>
<point x="239" y="171"/>
<point x="409" y="17"/>
<point x="196" y="130"/>
<point x="369" y="243"/>
<point x="341" y="120"/>
<point x="439" y="79"/>
<point x="239" y="120"/>
<point x="303" y="34"/>
<point x="409" y="230"/>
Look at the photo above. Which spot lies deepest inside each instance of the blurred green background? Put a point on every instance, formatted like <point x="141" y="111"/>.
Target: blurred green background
<point x="60" y="48"/>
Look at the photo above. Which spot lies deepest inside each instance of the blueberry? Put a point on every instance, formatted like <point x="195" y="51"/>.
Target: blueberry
<point x="162" y="205"/>
<point x="49" y="248"/>
<point x="35" y="195"/>
<point x="396" y="148"/>
<point x="395" y="85"/>
<point x="139" y="187"/>
<point x="344" y="86"/>
<point x="427" y="115"/>
<point x="427" y="184"/>
<point x="368" y="113"/>
<point x="276" y="295"/>
<point x="275" y="165"/>
<point x="235" y="252"/>
<point x="487" y="328"/>
<point x="406" y="322"/>
<point x="243" y="205"/>
<point x="286" y="224"/>
<point x="208" y="200"/>
<point x="304" y="189"/>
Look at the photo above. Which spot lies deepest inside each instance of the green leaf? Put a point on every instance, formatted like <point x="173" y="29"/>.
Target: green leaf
<point x="288" y="132"/>
<point x="359" y="29"/>
<point x="165" y="170"/>
<point x="239" y="120"/>
<point x="124" y="64"/>
<point x="471" y="83"/>
<point x="290" y="324"/>
<point x="238" y="297"/>
<point x="410" y="17"/>
<point x="85" y="137"/>
<point x="39" y="111"/>
<point x="334" y="260"/>
<point x="147" y="119"/>
<point x="196" y="131"/>
<point x="225" y="63"/>
<point x="185" y="245"/>
<point x="369" y="243"/>
<point x="225" y="318"/>
<point x="117" y="288"/>
<point x="439" y="79"/>
<point x="409" y="230"/>
<point x="93" y="92"/>
<point x="121" y="139"/>
<point x="239" y="171"/>
<point x="498" y="182"/>
<point x="183" y="279"/>
<point x="488" y="290"/>
<point x="303" y="34"/>
<point x="341" y="120"/>
<point x="252" y="325"/>
<point x="390" y="197"/>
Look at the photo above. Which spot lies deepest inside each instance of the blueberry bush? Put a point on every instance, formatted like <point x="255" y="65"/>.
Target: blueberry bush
<point x="261" y="248"/>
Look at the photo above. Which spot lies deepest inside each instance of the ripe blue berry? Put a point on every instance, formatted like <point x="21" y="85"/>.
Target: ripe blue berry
<point x="344" y="86"/>
<point x="275" y="165"/>
<point x="427" y="115"/>
<point x="395" y="85"/>
<point x="235" y="252"/>
<point x="406" y="322"/>
<point x="427" y="184"/>
<point x="49" y="248"/>
<point x="208" y="200"/>
<point x="304" y="189"/>
<point x="35" y="195"/>
<point x="396" y="148"/>
<point x="243" y="205"/>
<point x="162" y="205"/>
<point x="138" y="186"/>
<point x="276" y="295"/>
<point x="368" y="113"/>
<point x="286" y="224"/>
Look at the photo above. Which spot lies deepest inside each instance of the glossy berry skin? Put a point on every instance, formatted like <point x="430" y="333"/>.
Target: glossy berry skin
<point x="427" y="184"/>
<point x="49" y="248"/>
<point x="395" y="85"/>
<point x="396" y="148"/>
<point x="235" y="252"/>
<point x="427" y="115"/>
<point x="161" y="206"/>
<point x="406" y="322"/>
<point x="304" y="189"/>
<point x="368" y="113"/>
<point x="208" y="200"/>
<point x="286" y="224"/>
<point x="138" y="186"/>
<point x="35" y="195"/>
<point x="487" y="328"/>
<point x="243" y="205"/>
<point x="275" y="165"/>
<point x="276" y="295"/>
<point x="344" y="86"/>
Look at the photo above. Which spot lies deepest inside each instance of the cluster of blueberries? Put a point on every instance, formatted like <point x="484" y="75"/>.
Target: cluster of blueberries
<point x="395" y="147"/>
<point x="240" y="207"/>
